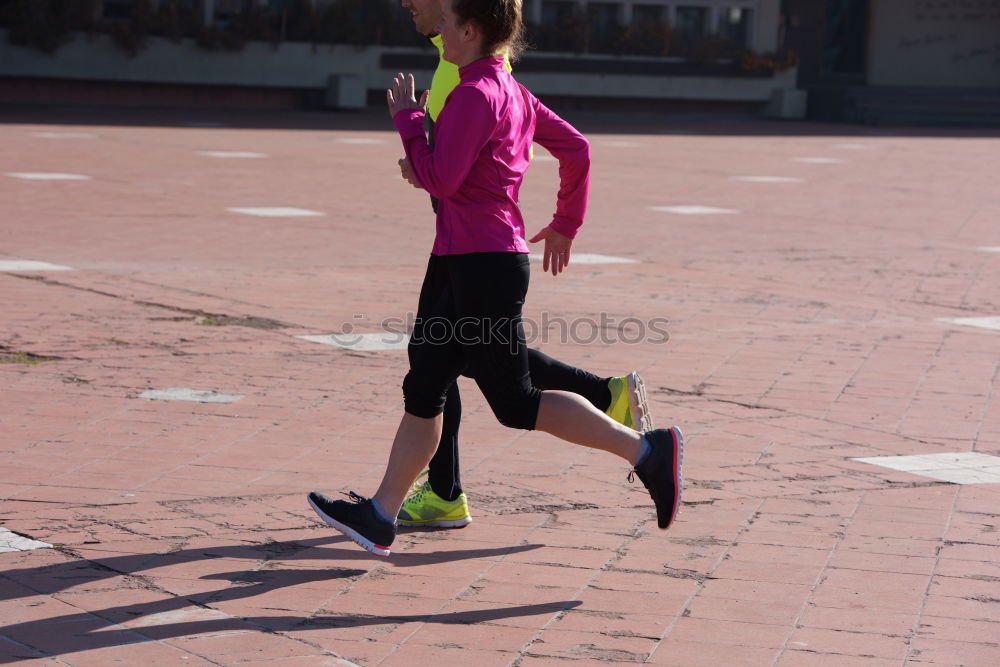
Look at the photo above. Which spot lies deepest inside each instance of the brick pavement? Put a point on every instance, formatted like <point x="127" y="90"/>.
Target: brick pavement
<point x="806" y="330"/>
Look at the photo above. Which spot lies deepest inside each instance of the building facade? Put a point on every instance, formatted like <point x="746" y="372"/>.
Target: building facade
<point x="850" y="59"/>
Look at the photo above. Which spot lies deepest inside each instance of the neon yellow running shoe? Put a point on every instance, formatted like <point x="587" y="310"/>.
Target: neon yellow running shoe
<point x="628" y="402"/>
<point x="425" y="508"/>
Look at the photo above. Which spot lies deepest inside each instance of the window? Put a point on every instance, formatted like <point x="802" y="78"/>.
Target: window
<point x="647" y="14"/>
<point x="604" y="15"/>
<point x="697" y="30"/>
<point x="556" y="12"/>
<point x="650" y="31"/>
<point x="734" y="25"/>
<point x="692" y="21"/>
<point x="561" y="28"/>
<point x="604" y="25"/>
<point x="227" y="10"/>
<point x="117" y="9"/>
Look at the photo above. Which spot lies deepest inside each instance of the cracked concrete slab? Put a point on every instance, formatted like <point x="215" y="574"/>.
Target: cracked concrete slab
<point x="11" y="541"/>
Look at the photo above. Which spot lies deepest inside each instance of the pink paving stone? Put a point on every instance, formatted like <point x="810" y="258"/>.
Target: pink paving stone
<point x="855" y="560"/>
<point x="677" y="653"/>
<point x="792" y="658"/>
<point x="956" y="629"/>
<point x="912" y="585"/>
<point x="868" y="645"/>
<point x="757" y="571"/>
<point x="675" y="582"/>
<point x="982" y="570"/>
<point x="494" y="591"/>
<point x="591" y="558"/>
<point x="480" y="637"/>
<point x="894" y="546"/>
<point x="738" y="589"/>
<point x="969" y="588"/>
<point x="416" y="654"/>
<point x="569" y="644"/>
<point x="533" y="661"/>
<point x="243" y="646"/>
<point x="149" y="653"/>
<point x="397" y="583"/>
<point x="939" y="651"/>
<point x="615" y="624"/>
<point x="713" y="631"/>
<point x="361" y="652"/>
<point x="745" y="611"/>
<point x="857" y="619"/>
<point x="977" y="609"/>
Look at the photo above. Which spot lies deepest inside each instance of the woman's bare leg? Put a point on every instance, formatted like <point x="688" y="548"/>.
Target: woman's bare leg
<point x="414" y="445"/>
<point x="571" y="417"/>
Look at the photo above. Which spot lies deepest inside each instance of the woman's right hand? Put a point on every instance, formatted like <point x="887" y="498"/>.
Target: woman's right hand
<point x="402" y="96"/>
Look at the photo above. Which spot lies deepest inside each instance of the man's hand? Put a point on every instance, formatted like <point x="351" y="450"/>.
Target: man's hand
<point x="406" y="171"/>
<point x="557" y="249"/>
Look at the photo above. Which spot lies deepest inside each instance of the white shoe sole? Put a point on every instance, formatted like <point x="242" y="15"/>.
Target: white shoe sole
<point x="637" y="403"/>
<point x="358" y="538"/>
<point x="454" y="523"/>
<point x="677" y="462"/>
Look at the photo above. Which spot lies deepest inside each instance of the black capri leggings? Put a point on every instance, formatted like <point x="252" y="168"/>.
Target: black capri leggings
<point x="469" y="322"/>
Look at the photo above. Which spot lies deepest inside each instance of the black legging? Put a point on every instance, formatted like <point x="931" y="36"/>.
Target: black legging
<point x="546" y="373"/>
<point x="469" y="322"/>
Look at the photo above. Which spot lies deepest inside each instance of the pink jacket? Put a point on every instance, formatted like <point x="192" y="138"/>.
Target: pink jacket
<point x="482" y="143"/>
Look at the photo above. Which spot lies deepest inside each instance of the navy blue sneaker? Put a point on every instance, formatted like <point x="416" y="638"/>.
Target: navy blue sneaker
<point x="357" y="520"/>
<point x="661" y="472"/>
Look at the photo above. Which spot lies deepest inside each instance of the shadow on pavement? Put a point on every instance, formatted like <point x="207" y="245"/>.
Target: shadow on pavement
<point x="50" y="579"/>
<point x="190" y="615"/>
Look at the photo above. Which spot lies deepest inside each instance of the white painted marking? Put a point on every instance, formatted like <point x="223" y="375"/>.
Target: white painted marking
<point x="167" y="618"/>
<point x="992" y="323"/>
<point x="819" y="160"/>
<point x="11" y="541"/>
<point x="590" y="258"/>
<point x="192" y="395"/>
<point x="768" y="179"/>
<point x="64" y="135"/>
<point x="853" y="147"/>
<point x="989" y="248"/>
<point x="372" y="342"/>
<point x="620" y="143"/>
<point x="276" y="212"/>
<point x="957" y="468"/>
<point x="47" y="176"/>
<point x="25" y="265"/>
<point x="231" y="154"/>
<point x="693" y="210"/>
<point x="358" y="140"/>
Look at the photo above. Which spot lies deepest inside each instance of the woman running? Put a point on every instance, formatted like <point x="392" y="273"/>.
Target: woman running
<point x="477" y="275"/>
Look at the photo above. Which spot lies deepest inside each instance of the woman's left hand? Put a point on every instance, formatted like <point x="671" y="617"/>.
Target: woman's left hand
<point x="402" y="95"/>
<point x="557" y="249"/>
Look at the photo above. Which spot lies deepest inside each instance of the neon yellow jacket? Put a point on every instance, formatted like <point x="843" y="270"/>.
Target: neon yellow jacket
<point x="445" y="79"/>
